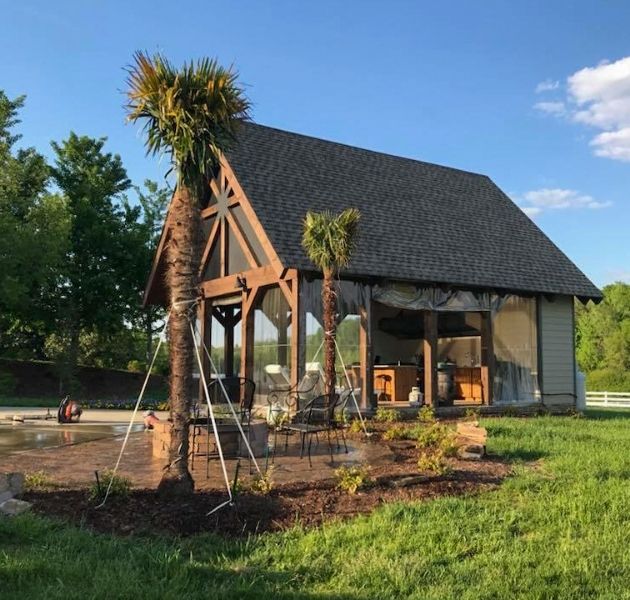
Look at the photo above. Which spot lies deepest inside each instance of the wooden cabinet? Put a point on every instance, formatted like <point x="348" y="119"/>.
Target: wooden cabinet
<point x="468" y="383"/>
<point x="401" y="378"/>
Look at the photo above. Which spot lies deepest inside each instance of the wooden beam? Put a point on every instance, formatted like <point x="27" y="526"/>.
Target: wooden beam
<point x="229" y="285"/>
<point x="224" y="249"/>
<point x="430" y="358"/>
<point x="219" y="316"/>
<point x="365" y="355"/>
<point x="487" y="358"/>
<point x="286" y="290"/>
<point x="238" y="234"/>
<point x="210" y="211"/>
<point x="297" y="327"/>
<point x="205" y="317"/>
<point x="228" y="345"/>
<point x="268" y="248"/>
<point x="206" y="252"/>
<point x="247" y="332"/>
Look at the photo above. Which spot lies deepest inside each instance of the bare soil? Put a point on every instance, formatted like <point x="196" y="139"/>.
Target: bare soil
<point x="306" y="503"/>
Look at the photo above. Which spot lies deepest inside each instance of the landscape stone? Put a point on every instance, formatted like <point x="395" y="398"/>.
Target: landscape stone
<point x="14" y="507"/>
<point x="16" y="483"/>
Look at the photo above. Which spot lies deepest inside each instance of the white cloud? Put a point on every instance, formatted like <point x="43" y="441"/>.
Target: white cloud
<point x="613" y="144"/>
<point x="599" y="97"/>
<point x="547" y="86"/>
<point x="552" y="108"/>
<point x="531" y="211"/>
<point x="535" y="202"/>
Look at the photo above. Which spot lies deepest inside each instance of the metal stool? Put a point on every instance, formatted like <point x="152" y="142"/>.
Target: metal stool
<point x="385" y="380"/>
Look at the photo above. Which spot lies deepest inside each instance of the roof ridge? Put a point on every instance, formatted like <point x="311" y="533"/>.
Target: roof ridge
<point x="377" y="152"/>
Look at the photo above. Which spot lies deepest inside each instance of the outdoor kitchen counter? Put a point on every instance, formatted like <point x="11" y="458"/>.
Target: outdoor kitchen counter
<point x="403" y="378"/>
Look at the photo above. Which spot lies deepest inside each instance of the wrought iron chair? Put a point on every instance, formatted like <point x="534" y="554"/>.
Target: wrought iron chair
<point x="295" y="397"/>
<point x="241" y="393"/>
<point x="318" y="416"/>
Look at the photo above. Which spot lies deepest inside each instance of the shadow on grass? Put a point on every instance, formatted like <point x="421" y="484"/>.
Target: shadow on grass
<point x="518" y="455"/>
<point x="606" y="414"/>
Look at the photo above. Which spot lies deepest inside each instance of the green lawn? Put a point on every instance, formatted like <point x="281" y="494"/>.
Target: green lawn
<point x="559" y="530"/>
<point x="20" y="402"/>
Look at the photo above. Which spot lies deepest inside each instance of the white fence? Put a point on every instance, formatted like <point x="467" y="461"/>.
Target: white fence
<point x="608" y="399"/>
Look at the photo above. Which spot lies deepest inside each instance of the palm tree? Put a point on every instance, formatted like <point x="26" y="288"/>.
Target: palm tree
<point x="329" y="241"/>
<point x="190" y="114"/>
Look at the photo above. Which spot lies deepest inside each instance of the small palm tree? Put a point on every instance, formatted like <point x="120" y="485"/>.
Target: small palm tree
<point x="190" y="114"/>
<point x="329" y="241"/>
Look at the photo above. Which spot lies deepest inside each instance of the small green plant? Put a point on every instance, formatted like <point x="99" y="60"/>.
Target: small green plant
<point x="355" y="426"/>
<point x="435" y="462"/>
<point x="437" y="436"/>
<point x="120" y="486"/>
<point x="436" y="443"/>
<point x="135" y="366"/>
<point x="426" y="414"/>
<point x="262" y="484"/>
<point x="353" y="479"/>
<point x="386" y="415"/>
<point x="37" y="480"/>
<point x="163" y="406"/>
<point x="471" y="414"/>
<point x="396" y="432"/>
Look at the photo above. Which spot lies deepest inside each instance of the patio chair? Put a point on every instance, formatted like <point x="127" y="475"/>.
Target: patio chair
<point x="294" y="397"/>
<point x="241" y="392"/>
<point x="318" y="416"/>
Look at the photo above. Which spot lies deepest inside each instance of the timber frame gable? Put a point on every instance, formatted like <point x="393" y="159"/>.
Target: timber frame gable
<point x="237" y="262"/>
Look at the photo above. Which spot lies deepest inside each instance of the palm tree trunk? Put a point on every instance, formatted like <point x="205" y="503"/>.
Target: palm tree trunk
<point x="329" y="304"/>
<point x="182" y="283"/>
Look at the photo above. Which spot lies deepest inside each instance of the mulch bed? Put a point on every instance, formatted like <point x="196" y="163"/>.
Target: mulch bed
<point x="309" y="503"/>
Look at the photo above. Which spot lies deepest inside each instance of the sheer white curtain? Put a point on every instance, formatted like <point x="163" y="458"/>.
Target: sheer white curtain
<point x="516" y="351"/>
<point x="272" y="337"/>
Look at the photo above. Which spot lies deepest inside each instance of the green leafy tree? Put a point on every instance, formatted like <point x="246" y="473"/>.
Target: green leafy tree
<point x="151" y="209"/>
<point x="603" y="337"/>
<point x="329" y="241"/>
<point x="34" y="229"/>
<point x="93" y="290"/>
<point x="192" y="114"/>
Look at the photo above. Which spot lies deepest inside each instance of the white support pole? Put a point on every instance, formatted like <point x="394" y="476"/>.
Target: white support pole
<point x="343" y="366"/>
<point x="214" y="424"/>
<point x="231" y="407"/>
<point x="135" y="412"/>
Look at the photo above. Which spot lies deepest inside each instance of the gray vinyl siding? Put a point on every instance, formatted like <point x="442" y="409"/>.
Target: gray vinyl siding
<point x="557" y="350"/>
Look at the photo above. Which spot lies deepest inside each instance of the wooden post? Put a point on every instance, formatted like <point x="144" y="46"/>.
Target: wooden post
<point x="298" y="333"/>
<point x="282" y="325"/>
<point x="228" y="346"/>
<point x="247" y="333"/>
<point x="205" y="318"/>
<point x="487" y="357"/>
<point x="430" y="358"/>
<point x="365" y="356"/>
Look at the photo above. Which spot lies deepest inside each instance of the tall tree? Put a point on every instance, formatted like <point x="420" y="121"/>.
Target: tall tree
<point x="151" y="210"/>
<point x="603" y="331"/>
<point x="34" y="227"/>
<point x="192" y="114"/>
<point x="91" y="294"/>
<point x="329" y="241"/>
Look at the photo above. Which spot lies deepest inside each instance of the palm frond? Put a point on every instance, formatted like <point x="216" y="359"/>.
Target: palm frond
<point x="329" y="239"/>
<point x="191" y="113"/>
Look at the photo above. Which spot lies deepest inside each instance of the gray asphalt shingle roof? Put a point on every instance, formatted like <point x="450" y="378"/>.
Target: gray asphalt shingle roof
<point x="420" y="222"/>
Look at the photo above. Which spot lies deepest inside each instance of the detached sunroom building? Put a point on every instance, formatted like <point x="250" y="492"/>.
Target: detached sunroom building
<point x="451" y="286"/>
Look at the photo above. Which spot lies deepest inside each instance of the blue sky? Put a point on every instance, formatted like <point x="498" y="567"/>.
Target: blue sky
<point x="534" y="94"/>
